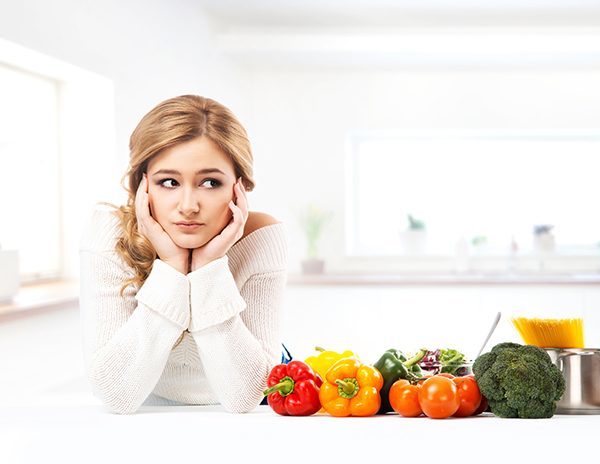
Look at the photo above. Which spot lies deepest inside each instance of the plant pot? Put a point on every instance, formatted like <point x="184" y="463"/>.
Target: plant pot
<point x="544" y="242"/>
<point x="413" y="241"/>
<point x="9" y="270"/>
<point x="313" y="266"/>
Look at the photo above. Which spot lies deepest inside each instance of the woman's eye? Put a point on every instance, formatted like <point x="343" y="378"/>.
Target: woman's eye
<point x="215" y="183"/>
<point x="162" y="182"/>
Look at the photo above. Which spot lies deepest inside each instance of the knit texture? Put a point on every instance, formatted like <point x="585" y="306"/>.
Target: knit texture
<point x="230" y="307"/>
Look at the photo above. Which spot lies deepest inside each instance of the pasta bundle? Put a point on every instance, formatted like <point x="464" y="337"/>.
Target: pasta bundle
<point x="550" y="333"/>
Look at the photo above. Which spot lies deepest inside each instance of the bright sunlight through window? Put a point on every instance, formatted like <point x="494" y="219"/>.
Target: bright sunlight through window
<point x="30" y="205"/>
<point x="488" y="187"/>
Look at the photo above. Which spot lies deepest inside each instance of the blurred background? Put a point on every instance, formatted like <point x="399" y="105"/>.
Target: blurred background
<point x="434" y="162"/>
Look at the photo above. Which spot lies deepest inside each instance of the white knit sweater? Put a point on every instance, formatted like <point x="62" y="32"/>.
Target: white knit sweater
<point x="231" y="307"/>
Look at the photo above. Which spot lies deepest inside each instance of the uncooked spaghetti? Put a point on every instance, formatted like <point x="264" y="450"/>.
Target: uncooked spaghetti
<point x="550" y="333"/>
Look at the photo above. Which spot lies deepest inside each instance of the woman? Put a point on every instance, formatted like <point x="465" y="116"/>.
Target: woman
<point x="181" y="289"/>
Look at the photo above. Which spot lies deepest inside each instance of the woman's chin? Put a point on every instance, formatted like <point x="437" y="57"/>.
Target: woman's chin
<point x="190" y="242"/>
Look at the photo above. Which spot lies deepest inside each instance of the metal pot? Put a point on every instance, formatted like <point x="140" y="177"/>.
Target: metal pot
<point x="581" y="370"/>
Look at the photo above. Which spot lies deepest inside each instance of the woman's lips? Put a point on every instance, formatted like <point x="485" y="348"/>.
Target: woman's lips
<point x="189" y="227"/>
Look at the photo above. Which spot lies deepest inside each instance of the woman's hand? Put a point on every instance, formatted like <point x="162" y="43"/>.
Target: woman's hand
<point x="219" y="245"/>
<point x="166" y="249"/>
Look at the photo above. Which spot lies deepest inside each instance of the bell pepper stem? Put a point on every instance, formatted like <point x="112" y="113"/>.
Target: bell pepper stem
<point x="284" y="387"/>
<point x="416" y="358"/>
<point x="319" y="349"/>
<point x="348" y="387"/>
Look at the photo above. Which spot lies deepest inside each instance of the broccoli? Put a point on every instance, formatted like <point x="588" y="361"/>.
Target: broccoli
<point x="519" y="381"/>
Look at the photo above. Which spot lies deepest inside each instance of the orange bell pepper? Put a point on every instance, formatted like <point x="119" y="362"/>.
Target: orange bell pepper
<point x="351" y="389"/>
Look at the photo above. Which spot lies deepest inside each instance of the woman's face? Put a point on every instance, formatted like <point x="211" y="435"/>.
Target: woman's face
<point x="199" y="191"/>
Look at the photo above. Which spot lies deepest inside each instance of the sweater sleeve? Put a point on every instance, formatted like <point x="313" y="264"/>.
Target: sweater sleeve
<point x="237" y="332"/>
<point x="127" y="339"/>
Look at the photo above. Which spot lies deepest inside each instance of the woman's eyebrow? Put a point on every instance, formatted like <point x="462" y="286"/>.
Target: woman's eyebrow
<point x="201" y="171"/>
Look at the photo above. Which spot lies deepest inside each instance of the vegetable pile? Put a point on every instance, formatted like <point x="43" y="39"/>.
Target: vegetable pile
<point x="511" y="380"/>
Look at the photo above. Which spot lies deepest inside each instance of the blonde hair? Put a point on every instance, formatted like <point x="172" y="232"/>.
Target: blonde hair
<point x="171" y="122"/>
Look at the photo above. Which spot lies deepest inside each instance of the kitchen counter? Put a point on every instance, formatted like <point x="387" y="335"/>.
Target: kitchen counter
<point x="506" y="279"/>
<point x="77" y="428"/>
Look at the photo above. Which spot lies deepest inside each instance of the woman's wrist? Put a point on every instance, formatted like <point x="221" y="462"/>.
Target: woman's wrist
<point x="198" y="265"/>
<point x="201" y="263"/>
<point x="177" y="266"/>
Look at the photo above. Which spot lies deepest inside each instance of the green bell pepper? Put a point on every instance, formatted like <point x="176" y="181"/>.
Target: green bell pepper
<point x="393" y="366"/>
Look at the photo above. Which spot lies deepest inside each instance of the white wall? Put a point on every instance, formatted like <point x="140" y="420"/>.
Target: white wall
<point x="300" y="119"/>
<point x="149" y="51"/>
<point x="297" y="117"/>
<point x="371" y="319"/>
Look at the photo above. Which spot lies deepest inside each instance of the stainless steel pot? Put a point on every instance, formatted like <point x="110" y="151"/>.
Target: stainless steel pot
<point x="581" y="370"/>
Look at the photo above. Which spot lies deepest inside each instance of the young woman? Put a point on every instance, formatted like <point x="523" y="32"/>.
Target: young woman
<point x="181" y="288"/>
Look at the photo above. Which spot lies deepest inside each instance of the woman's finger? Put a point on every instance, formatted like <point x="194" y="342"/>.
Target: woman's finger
<point x="243" y="189"/>
<point x="138" y="199"/>
<point x="240" y="223"/>
<point x="235" y="211"/>
<point x="141" y="206"/>
<point x="242" y="201"/>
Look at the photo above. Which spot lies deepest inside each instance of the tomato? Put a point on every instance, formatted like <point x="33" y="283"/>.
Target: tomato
<point x="404" y="398"/>
<point x="469" y="395"/>
<point x="446" y="374"/>
<point x="438" y="397"/>
<point x="483" y="406"/>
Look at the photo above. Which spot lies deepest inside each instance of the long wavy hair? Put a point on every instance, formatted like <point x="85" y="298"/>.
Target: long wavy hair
<point x="171" y="122"/>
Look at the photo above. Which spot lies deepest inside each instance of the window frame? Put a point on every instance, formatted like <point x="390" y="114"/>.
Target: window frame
<point x="586" y="259"/>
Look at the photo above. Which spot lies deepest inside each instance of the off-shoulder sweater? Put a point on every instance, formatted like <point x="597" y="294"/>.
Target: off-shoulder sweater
<point x="229" y="312"/>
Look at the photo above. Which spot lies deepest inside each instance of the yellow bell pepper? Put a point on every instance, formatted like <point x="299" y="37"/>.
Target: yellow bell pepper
<point x="322" y="362"/>
<point x="351" y="389"/>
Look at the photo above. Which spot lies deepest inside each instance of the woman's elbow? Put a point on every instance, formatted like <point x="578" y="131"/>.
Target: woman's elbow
<point x="121" y="408"/>
<point x="117" y="400"/>
<point x="242" y="401"/>
<point x="241" y="406"/>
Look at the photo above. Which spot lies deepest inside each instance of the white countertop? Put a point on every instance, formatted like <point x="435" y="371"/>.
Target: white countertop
<point x="76" y="428"/>
<point x="444" y="279"/>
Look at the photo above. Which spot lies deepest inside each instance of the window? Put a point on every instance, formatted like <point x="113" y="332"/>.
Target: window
<point x="495" y="185"/>
<point x="29" y="188"/>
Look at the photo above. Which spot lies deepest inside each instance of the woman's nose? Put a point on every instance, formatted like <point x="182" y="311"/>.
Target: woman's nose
<point x="188" y="202"/>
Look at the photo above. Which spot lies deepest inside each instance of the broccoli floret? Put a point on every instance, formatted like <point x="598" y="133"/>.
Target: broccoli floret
<point x="483" y="363"/>
<point x="501" y="409"/>
<point x="519" y="381"/>
<point x="502" y="346"/>
<point x="537" y="352"/>
<point x="538" y="409"/>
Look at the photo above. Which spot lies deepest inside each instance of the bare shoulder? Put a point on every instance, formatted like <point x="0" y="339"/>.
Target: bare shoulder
<point x="257" y="220"/>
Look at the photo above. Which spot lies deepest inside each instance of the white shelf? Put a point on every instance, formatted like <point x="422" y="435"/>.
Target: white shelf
<point x="40" y="297"/>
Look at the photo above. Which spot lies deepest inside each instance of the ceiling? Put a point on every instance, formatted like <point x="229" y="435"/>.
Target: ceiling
<point x="411" y="34"/>
<point x="401" y="13"/>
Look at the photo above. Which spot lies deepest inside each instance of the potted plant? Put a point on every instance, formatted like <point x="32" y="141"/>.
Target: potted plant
<point x="543" y="239"/>
<point x="413" y="239"/>
<point x="479" y="244"/>
<point x="9" y="270"/>
<point x="313" y="220"/>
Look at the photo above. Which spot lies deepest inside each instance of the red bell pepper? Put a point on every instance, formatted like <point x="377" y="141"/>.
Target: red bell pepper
<point x="293" y="389"/>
